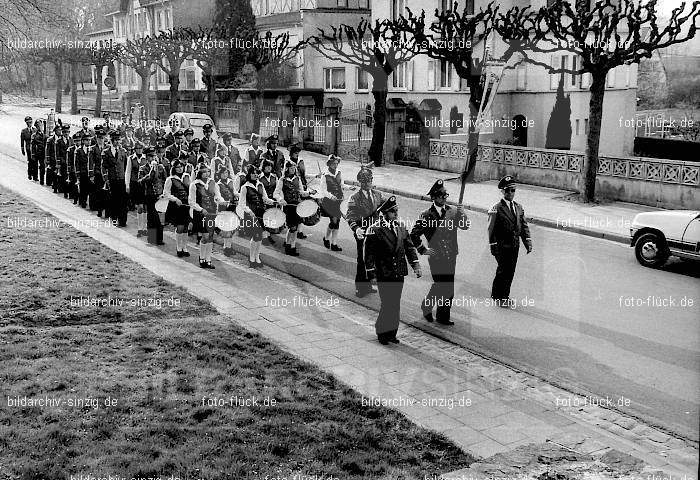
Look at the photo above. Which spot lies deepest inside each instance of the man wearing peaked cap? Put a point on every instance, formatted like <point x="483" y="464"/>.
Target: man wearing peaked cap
<point x="274" y="155"/>
<point x="507" y="227"/>
<point x="50" y="156"/>
<point x="25" y="139"/>
<point x="114" y="159"/>
<point x="363" y="210"/>
<point x="62" y="145"/>
<point x="439" y="225"/>
<point x="208" y="144"/>
<point x="172" y="153"/>
<point x="387" y="247"/>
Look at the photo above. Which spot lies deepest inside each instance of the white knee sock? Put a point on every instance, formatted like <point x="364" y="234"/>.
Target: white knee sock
<point x="334" y="237"/>
<point x="257" y="251"/>
<point x="293" y="242"/>
<point x="290" y="235"/>
<point x="251" y="250"/>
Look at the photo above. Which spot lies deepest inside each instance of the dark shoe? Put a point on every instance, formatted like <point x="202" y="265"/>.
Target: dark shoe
<point x="336" y="248"/>
<point x="271" y="240"/>
<point x="202" y="263"/>
<point x="180" y="254"/>
<point x="139" y="233"/>
<point x="326" y="243"/>
<point x="209" y="266"/>
<point x="252" y="264"/>
<point x="301" y="235"/>
<point x="228" y="251"/>
<point x="99" y="214"/>
<point x="185" y="253"/>
<point x="294" y="252"/>
<point x="258" y="264"/>
<point x="383" y="341"/>
<point x="160" y="243"/>
<point x="445" y="322"/>
<point x="362" y="293"/>
<point x="394" y="340"/>
<point x="428" y="316"/>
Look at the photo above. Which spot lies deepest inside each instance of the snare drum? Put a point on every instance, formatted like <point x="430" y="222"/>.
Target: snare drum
<point x="227" y="221"/>
<point x="161" y="208"/>
<point x="274" y="220"/>
<point x="308" y="212"/>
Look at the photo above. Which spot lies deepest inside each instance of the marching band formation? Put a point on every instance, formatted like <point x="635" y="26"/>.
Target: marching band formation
<point x="205" y="188"/>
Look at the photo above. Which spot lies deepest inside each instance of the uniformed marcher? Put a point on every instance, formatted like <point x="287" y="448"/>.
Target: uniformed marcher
<point x="208" y="144"/>
<point x="98" y="194"/>
<point x="387" y="247"/>
<point x="189" y="136"/>
<point x="252" y="153"/>
<point x="38" y="145"/>
<point x="81" y="166"/>
<point x="273" y="155"/>
<point x="172" y="152"/>
<point x="363" y="210"/>
<point x="85" y="127"/>
<point x="73" y="190"/>
<point x="507" y="227"/>
<point x="25" y="140"/>
<point x="134" y="189"/>
<point x="151" y="177"/>
<point x="113" y="162"/>
<point x="439" y="225"/>
<point x="63" y="143"/>
<point x="50" y="158"/>
<point x="332" y="196"/>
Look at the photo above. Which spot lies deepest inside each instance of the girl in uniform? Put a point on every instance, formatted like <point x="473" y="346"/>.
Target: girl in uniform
<point x="228" y="193"/>
<point x="135" y="189"/>
<point x="176" y="189"/>
<point x="204" y="198"/>
<point x="269" y="181"/>
<point x="332" y="193"/>
<point x="289" y="192"/>
<point x="251" y="207"/>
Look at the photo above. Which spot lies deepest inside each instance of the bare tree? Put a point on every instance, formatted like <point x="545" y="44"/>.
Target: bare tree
<point x="57" y="57"/>
<point x="457" y="37"/>
<point x="102" y="56"/>
<point x="604" y="35"/>
<point x="174" y="47"/>
<point x="210" y="50"/>
<point x="377" y="48"/>
<point x="140" y="55"/>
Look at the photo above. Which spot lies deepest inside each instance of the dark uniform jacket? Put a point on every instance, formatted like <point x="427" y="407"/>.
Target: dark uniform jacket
<point x="441" y="234"/>
<point x="25" y="138"/>
<point x="38" y="146"/>
<point x="82" y="161"/>
<point x="95" y="161"/>
<point x="386" y="251"/>
<point x="208" y="147"/>
<point x="152" y="180"/>
<point x="50" y="150"/>
<point x="361" y="211"/>
<point x="62" y="146"/>
<point x="505" y="229"/>
<point x="113" y="165"/>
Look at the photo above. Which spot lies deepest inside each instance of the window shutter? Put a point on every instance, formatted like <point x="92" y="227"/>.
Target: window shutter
<point x="431" y="74"/>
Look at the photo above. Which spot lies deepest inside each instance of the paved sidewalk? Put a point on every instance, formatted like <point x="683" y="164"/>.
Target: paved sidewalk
<point x="484" y="407"/>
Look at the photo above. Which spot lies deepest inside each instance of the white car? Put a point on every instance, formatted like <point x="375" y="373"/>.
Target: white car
<point x="195" y="121"/>
<point x="658" y="235"/>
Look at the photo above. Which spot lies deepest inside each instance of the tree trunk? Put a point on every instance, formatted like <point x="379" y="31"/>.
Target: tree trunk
<point x="380" y="93"/>
<point x="257" y="110"/>
<point x="595" y="120"/>
<point x="174" y="80"/>
<point x="211" y="99"/>
<point x="74" y="88"/>
<point x="145" y="78"/>
<point x="59" y="90"/>
<point x="98" y="93"/>
<point x="472" y="145"/>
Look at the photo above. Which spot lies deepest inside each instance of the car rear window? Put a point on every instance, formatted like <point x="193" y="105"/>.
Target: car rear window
<point x="199" y="122"/>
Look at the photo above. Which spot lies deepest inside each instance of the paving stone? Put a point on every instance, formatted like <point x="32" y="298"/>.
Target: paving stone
<point x="504" y="434"/>
<point x="486" y="448"/>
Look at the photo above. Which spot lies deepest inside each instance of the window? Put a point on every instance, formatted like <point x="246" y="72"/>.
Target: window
<point x="574" y="66"/>
<point x="628" y="74"/>
<point x="449" y="5"/>
<point x="445" y="74"/>
<point x="398" y="77"/>
<point x="578" y="124"/>
<point x="342" y="3"/>
<point x="520" y="77"/>
<point x="553" y="77"/>
<point x="334" y="78"/>
<point x="364" y="4"/>
<point x="361" y="80"/>
<point x="431" y="74"/>
<point x="585" y="82"/>
<point x="585" y="126"/>
<point x="611" y="78"/>
<point x="397" y="8"/>
<point x="189" y="80"/>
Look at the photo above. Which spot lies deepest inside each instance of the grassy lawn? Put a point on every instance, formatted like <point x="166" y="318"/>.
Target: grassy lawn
<point x="129" y="391"/>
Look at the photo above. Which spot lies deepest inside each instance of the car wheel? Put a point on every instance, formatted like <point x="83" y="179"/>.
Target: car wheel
<point x="650" y="250"/>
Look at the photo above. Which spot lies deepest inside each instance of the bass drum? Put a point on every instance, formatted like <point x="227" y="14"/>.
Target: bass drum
<point x="274" y="220"/>
<point x="308" y="212"/>
<point x="161" y="208"/>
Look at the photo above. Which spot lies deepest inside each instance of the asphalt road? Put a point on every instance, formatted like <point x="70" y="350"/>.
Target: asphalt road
<point x="589" y="317"/>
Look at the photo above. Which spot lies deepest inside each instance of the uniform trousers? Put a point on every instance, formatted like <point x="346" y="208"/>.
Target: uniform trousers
<point x="361" y="281"/>
<point x="117" y="208"/>
<point x="507" y="259"/>
<point x="387" y="323"/>
<point x="155" y="228"/>
<point x="442" y="291"/>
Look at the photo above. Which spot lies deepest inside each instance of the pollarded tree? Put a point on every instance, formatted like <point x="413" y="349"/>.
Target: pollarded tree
<point x="140" y="54"/>
<point x="210" y="47"/>
<point x="172" y="48"/>
<point x="57" y="57"/>
<point x="377" y="48"/>
<point x="457" y="37"/>
<point x="101" y="56"/>
<point x="604" y="35"/>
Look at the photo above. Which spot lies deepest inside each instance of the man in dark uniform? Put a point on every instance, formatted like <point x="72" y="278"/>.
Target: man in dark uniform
<point x="98" y="195"/>
<point x="208" y="144"/>
<point x="63" y="143"/>
<point x="273" y="155"/>
<point x="363" y="210"/>
<point x="81" y="168"/>
<point x="507" y="226"/>
<point x="50" y="158"/>
<point x="113" y="162"/>
<point x="86" y="130"/>
<point x="25" y="140"/>
<point x="387" y="247"/>
<point x="70" y="161"/>
<point x="439" y="225"/>
<point x="38" y="146"/>
<point x="189" y="136"/>
<point x="172" y="153"/>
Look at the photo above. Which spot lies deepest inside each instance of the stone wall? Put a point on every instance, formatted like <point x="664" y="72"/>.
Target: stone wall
<point x="647" y="181"/>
